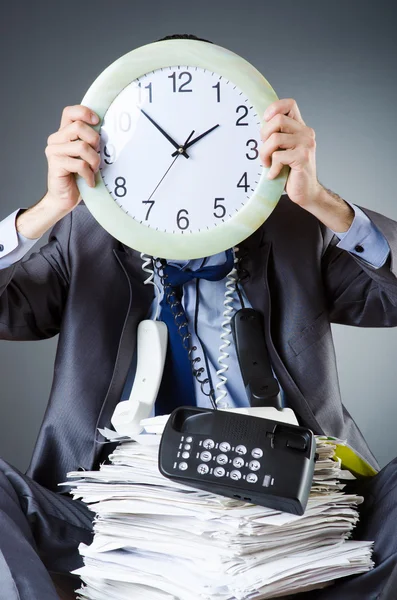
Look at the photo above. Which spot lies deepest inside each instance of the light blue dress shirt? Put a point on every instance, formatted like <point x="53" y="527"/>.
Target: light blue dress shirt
<point x="362" y="239"/>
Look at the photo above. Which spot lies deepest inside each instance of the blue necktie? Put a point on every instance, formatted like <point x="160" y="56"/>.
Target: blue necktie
<point x="177" y="385"/>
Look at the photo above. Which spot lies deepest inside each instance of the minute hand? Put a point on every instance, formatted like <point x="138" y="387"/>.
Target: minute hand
<point x="196" y="139"/>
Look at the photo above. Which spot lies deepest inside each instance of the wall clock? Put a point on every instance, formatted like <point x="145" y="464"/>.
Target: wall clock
<point x="180" y="174"/>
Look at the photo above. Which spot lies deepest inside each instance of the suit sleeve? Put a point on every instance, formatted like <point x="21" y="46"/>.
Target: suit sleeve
<point x="358" y="293"/>
<point x="33" y="292"/>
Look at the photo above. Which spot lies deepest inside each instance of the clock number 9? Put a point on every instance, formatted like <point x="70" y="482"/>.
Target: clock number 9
<point x="221" y="207"/>
<point x="120" y="184"/>
<point x="173" y="77"/>
<point x="254" y="149"/>
<point x="245" y="113"/>
<point x="182" y="220"/>
<point x="109" y="152"/>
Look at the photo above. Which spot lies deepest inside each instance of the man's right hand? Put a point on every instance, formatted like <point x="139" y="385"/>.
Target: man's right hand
<point x="72" y="149"/>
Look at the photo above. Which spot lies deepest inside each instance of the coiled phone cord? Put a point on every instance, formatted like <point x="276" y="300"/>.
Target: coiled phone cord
<point x="232" y="287"/>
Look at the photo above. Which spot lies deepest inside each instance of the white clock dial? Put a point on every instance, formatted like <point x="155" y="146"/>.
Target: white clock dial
<point x="181" y="194"/>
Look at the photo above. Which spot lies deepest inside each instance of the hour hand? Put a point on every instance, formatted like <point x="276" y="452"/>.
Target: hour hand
<point x="180" y="149"/>
<point x="196" y="139"/>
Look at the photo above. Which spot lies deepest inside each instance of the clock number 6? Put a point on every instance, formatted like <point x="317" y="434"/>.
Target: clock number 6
<point x="221" y="207"/>
<point x="182" y="220"/>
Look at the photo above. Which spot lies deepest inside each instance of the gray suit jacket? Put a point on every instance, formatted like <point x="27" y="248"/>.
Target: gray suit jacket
<point x="87" y="287"/>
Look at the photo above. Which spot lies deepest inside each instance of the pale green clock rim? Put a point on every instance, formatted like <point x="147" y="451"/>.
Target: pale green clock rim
<point x="257" y="209"/>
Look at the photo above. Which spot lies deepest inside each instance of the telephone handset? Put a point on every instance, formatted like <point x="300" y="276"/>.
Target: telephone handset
<point x="152" y="339"/>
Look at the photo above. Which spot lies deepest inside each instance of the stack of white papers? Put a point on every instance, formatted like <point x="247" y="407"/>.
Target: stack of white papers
<point x="160" y="540"/>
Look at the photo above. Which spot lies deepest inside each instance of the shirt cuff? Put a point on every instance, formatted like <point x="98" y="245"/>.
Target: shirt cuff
<point x="364" y="240"/>
<point x="13" y="245"/>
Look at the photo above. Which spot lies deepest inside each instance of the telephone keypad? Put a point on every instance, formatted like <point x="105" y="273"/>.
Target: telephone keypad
<point x="221" y="459"/>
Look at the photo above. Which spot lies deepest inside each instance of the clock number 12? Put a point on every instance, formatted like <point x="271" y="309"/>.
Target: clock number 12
<point x="182" y="85"/>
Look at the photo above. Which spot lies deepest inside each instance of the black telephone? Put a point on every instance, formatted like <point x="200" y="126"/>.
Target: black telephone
<point x="249" y="458"/>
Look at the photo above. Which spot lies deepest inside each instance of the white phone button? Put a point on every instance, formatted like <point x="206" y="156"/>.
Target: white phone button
<point x="189" y="440"/>
<point x="241" y="450"/>
<point x="206" y="456"/>
<point x="238" y="462"/>
<point x="222" y="459"/>
<point x="257" y="453"/>
<point x="251" y="478"/>
<point x="254" y="465"/>
<point x="185" y="454"/>
<point x="203" y="469"/>
<point x="219" y="471"/>
<point x="224" y="446"/>
<point x="182" y="466"/>
<point x="236" y="475"/>
<point x="208" y="444"/>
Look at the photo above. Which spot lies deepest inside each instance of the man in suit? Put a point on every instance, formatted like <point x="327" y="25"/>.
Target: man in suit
<point x="317" y="260"/>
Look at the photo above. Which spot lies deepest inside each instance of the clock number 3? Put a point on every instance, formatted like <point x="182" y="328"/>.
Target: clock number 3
<point x="254" y="149"/>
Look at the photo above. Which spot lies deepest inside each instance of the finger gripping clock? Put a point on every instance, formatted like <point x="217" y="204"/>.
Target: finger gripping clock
<point x="180" y="174"/>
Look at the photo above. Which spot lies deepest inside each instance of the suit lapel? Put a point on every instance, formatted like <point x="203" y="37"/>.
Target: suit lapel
<point x="140" y="297"/>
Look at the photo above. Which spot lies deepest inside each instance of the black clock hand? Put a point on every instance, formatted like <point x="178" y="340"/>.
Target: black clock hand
<point x="177" y="154"/>
<point x="196" y="139"/>
<point x="169" y="138"/>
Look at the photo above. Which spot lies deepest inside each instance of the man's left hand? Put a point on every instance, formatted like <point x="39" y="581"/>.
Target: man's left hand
<point x="287" y="140"/>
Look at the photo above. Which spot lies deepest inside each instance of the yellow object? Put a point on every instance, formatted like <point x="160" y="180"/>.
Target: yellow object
<point x="354" y="463"/>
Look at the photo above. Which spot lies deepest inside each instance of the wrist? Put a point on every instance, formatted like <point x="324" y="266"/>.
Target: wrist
<point x="334" y="212"/>
<point x="38" y="219"/>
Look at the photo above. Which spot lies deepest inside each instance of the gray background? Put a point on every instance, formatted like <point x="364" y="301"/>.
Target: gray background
<point x="338" y="60"/>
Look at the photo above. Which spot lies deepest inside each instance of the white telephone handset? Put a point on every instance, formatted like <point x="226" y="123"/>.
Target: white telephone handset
<point x="152" y="339"/>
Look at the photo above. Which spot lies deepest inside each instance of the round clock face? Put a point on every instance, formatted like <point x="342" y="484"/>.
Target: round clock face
<point x="180" y="149"/>
<point x="180" y="174"/>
